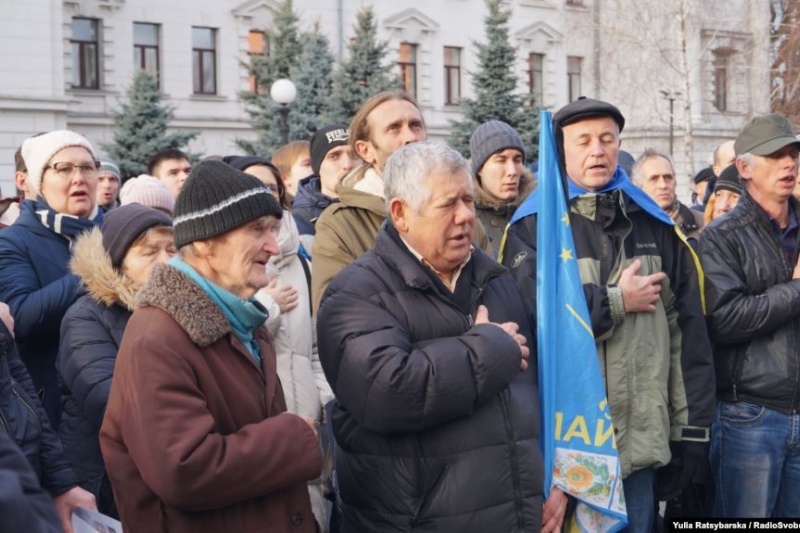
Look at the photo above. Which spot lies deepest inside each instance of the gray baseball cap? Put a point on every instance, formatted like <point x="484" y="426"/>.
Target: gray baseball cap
<point x="765" y="135"/>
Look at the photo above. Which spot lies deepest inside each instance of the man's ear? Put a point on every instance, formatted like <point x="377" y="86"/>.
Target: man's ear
<point x="365" y="151"/>
<point x="202" y="249"/>
<point x="743" y="168"/>
<point x="398" y="211"/>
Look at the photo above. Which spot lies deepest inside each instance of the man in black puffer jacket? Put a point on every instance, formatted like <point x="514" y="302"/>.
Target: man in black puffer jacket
<point x="750" y="258"/>
<point x="424" y="340"/>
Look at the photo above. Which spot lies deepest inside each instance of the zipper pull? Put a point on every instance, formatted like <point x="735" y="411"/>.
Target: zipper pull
<point x="471" y="321"/>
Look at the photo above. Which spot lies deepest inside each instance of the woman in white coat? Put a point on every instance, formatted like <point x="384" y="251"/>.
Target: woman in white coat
<point x="287" y="298"/>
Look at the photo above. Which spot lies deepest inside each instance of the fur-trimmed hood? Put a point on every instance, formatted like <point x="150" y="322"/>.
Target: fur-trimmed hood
<point x="527" y="183"/>
<point x="103" y="282"/>
<point x="174" y="293"/>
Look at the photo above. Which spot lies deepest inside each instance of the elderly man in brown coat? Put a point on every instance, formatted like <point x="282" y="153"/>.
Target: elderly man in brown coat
<point x="195" y="436"/>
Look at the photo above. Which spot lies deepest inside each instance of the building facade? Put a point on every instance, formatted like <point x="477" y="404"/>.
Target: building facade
<point x="67" y="63"/>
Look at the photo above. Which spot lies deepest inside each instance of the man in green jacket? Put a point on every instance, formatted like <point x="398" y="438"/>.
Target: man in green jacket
<point x="642" y="288"/>
<point x="383" y="124"/>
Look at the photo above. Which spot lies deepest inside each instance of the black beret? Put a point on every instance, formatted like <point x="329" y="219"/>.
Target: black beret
<point x="584" y="108"/>
<point x="704" y="175"/>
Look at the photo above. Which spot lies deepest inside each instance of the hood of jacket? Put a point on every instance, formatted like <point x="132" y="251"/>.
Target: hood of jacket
<point x="351" y="197"/>
<point x="527" y="183"/>
<point x="288" y="242"/>
<point x="309" y="194"/>
<point x="103" y="282"/>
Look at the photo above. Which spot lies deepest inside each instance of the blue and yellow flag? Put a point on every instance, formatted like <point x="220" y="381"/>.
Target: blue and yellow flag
<point x="580" y="452"/>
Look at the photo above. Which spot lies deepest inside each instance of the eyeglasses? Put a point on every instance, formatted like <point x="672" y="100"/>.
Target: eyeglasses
<point x="66" y="170"/>
<point x="275" y="189"/>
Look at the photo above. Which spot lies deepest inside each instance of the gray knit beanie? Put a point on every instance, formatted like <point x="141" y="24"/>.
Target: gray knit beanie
<point x="217" y="198"/>
<point x="491" y="137"/>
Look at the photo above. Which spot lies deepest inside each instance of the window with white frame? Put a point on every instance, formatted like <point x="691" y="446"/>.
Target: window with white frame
<point x="204" y="60"/>
<point x="84" y="43"/>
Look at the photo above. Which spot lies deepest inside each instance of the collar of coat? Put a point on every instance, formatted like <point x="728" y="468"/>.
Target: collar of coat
<point x="349" y="196"/>
<point x="102" y="281"/>
<point x="686" y="220"/>
<point x="527" y="183"/>
<point x="178" y="296"/>
<point x="390" y="249"/>
<point x="748" y="211"/>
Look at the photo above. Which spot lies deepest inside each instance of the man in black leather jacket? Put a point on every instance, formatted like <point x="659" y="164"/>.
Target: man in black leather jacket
<point x="750" y="258"/>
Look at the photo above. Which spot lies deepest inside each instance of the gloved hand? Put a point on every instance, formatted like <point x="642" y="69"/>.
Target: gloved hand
<point x="677" y="475"/>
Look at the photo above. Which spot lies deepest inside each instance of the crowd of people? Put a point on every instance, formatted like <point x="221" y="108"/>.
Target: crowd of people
<point x="342" y="337"/>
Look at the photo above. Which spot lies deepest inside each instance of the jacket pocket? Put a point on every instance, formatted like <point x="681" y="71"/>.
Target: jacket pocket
<point x="27" y="426"/>
<point x="428" y="495"/>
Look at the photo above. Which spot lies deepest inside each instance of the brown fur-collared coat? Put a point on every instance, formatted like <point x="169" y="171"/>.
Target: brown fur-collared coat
<point x="196" y="437"/>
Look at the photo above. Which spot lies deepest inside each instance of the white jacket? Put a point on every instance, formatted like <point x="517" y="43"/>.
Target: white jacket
<point x="304" y="385"/>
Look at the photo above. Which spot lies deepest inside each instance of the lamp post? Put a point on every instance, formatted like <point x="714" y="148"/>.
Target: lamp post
<point x="669" y="95"/>
<point x="283" y="92"/>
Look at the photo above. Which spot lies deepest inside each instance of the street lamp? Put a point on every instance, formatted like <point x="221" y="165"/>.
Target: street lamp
<point x="669" y="95"/>
<point x="283" y="92"/>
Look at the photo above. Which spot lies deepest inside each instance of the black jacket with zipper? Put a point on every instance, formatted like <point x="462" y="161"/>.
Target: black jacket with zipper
<point x="754" y="308"/>
<point x="437" y="429"/>
<point x="24" y="419"/>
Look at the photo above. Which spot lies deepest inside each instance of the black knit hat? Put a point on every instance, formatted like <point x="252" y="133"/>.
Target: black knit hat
<point x="217" y="198"/>
<point x="324" y="140"/>
<point x="124" y="224"/>
<point x="729" y="180"/>
<point x="584" y="108"/>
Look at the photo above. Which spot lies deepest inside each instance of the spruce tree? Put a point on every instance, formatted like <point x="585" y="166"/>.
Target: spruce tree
<point x="364" y="73"/>
<point x="495" y="87"/>
<point x="141" y="128"/>
<point x="311" y="73"/>
<point x="284" y="49"/>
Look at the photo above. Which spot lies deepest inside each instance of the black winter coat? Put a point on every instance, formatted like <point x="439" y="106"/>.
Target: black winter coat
<point x="437" y="429"/>
<point x="24" y="506"/>
<point x="309" y="203"/>
<point x="754" y="308"/>
<point x="23" y="418"/>
<point x="91" y="333"/>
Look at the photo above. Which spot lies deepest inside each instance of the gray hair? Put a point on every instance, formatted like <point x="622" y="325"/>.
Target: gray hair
<point x="187" y="250"/>
<point x="747" y="157"/>
<point x="650" y="153"/>
<point x="406" y="170"/>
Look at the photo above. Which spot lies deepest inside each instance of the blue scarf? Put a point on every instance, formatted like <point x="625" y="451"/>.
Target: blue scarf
<point x="619" y="181"/>
<point x="245" y="316"/>
<point x="68" y="226"/>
